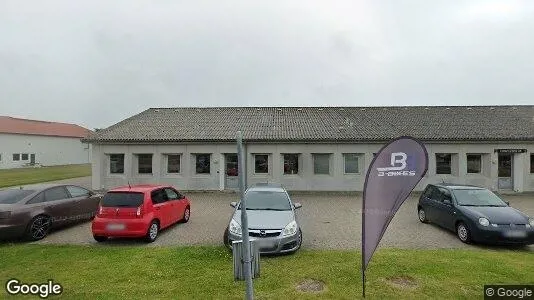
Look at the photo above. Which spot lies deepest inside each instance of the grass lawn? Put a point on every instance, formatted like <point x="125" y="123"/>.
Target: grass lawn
<point x="21" y="176"/>
<point x="130" y="272"/>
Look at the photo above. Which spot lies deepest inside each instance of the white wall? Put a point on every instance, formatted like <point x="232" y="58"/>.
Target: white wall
<point x="306" y="179"/>
<point x="48" y="150"/>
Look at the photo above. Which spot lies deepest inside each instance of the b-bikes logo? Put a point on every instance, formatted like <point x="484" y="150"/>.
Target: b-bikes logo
<point x="401" y="165"/>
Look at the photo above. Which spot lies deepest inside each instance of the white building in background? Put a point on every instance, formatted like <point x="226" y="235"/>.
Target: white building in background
<point x="313" y="148"/>
<point x="26" y="142"/>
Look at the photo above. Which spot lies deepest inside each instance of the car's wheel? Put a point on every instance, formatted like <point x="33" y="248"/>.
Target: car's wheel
<point x="299" y="241"/>
<point x="463" y="233"/>
<point x="422" y="215"/>
<point x="187" y="214"/>
<point x="100" y="238"/>
<point x="153" y="231"/>
<point x="226" y="238"/>
<point x="38" y="227"/>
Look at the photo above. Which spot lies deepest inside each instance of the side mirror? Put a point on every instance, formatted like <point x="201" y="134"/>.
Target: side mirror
<point x="297" y="205"/>
<point x="447" y="201"/>
<point x="233" y="204"/>
<point x="507" y="203"/>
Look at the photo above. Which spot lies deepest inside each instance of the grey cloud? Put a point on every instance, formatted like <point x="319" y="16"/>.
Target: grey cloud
<point x="97" y="62"/>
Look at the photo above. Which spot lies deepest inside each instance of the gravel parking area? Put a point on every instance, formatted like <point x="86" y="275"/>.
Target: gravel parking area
<point x="328" y="222"/>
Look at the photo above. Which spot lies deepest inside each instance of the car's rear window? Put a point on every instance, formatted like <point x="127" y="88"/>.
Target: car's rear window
<point x="122" y="199"/>
<point x="13" y="196"/>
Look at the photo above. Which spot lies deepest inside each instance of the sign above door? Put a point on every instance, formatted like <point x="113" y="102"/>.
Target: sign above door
<point x="511" y="150"/>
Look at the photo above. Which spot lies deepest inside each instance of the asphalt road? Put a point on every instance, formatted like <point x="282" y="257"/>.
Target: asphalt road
<point x="328" y="222"/>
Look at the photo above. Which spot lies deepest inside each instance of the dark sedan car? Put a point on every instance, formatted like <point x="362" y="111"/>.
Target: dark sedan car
<point x="30" y="212"/>
<point x="475" y="214"/>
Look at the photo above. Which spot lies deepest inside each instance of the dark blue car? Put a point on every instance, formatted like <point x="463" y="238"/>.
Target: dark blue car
<point x="475" y="214"/>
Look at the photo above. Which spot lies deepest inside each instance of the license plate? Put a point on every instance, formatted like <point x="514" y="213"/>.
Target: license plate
<point x="115" y="226"/>
<point x="515" y="234"/>
<point x="266" y="243"/>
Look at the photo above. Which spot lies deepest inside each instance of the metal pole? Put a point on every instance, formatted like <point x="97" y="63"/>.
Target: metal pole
<point x="244" y="220"/>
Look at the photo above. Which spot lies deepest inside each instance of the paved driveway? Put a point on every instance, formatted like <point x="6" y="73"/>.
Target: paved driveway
<point x="328" y="222"/>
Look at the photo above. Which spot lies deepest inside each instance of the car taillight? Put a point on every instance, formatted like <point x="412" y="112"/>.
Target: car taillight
<point x="139" y="212"/>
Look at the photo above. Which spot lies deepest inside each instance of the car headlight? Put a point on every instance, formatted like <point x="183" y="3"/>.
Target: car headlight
<point x="235" y="228"/>
<point x="290" y="229"/>
<point x="483" y="221"/>
<point x="531" y="222"/>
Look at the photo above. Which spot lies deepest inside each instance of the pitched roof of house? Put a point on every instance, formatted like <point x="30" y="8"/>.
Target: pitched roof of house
<point x="34" y="127"/>
<point x="323" y="124"/>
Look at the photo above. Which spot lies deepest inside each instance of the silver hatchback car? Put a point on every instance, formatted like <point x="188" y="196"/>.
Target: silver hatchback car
<point x="271" y="220"/>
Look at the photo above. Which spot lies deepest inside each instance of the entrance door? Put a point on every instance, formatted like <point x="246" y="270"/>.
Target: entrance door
<point x="32" y="159"/>
<point x="231" y="171"/>
<point x="505" y="171"/>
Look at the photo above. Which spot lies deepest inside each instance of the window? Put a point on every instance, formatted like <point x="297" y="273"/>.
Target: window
<point x="428" y="192"/>
<point x="321" y="163"/>
<point x="291" y="164"/>
<point x="13" y="195"/>
<point x="173" y="195"/>
<point x="261" y="163"/>
<point x="444" y="194"/>
<point x="532" y="163"/>
<point x="203" y="163"/>
<point x="56" y="193"/>
<point x="0" y="156"/>
<point x="159" y="196"/>
<point x="261" y="200"/>
<point x="37" y="199"/>
<point x="173" y="163"/>
<point x="123" y="199"/>
<point x="16" y="157"/>
<point x="443" y="163"/>
<point x="351" y="163"/>
<point x="474" y="163"/>
<point x="24" y="156"/>
<point x="116" y="163"/>
<point x="144" y="163"/>
<point x="76" y="191"/>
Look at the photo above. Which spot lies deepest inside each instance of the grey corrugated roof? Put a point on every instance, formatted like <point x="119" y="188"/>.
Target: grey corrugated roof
<point x="323" y="124"/>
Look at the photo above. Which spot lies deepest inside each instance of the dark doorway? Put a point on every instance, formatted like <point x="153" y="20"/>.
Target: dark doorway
<point x="231" y="171"/>
<point x="505" y="171"/>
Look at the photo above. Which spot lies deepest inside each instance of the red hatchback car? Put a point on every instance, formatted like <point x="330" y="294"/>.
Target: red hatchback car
<point x="139" y="211"/>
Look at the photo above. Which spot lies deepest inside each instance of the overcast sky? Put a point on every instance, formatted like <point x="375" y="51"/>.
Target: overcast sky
<point x="95" y="63"/>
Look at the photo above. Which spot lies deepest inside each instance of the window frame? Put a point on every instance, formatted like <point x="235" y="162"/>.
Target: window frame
<point x="255" y="167"/>
<point x="329" y="156"/>
<point x="284" y="163"/>
<point x="480" y="169"/>
<point x="358" y="156"/>
<point x="110" y="155"/>
<point x="197" y="155"/>
<point x="450" y="163"/>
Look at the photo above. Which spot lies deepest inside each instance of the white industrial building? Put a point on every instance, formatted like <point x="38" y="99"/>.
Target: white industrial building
<point x="25" y="143"/>
<point x="313" y="148"/>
